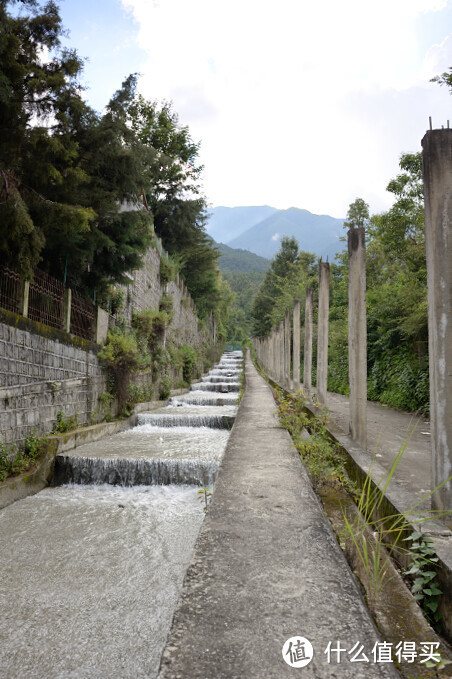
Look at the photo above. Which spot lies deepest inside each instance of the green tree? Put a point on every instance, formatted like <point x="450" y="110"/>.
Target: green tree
<point x="31" y="93"/>
<point x="357" y="215"/>
<point x="273" y="286"/>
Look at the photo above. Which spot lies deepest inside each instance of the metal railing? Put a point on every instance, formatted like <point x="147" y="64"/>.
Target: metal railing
<point x="46" y="300"/>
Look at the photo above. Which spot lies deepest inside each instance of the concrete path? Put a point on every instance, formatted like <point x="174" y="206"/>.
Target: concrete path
<point x="387" y="431"/>
<point x="266" y="567"/>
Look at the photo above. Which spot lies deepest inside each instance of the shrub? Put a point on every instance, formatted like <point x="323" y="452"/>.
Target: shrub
<point x="168" y="270"/>
<point x="121" y="355"/>
<point x="165" y="387"/>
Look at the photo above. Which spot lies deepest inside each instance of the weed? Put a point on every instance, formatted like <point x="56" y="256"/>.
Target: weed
<point x="64" y="424"/>
<point x="204" y="496"/>
<point x="14" y="461"/>
<point x="323" y="458"/>
<point x="424" y="588"/>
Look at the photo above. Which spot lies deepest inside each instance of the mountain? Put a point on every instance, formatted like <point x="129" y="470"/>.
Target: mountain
<point x="226" y="223"/>
<point x="242" y="261"/>
<point x="315" y="233"/>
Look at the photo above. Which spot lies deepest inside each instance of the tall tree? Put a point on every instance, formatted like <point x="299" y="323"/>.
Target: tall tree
<point x="31" y="90"/>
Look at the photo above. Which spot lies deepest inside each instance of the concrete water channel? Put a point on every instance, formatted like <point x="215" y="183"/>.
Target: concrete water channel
<point x="91" y="568"/>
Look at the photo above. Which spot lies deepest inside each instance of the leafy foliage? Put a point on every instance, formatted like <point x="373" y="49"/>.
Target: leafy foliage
<point x="14" y="461"/>
<point x="424" y="577"/>
<point x="70" y="177"/>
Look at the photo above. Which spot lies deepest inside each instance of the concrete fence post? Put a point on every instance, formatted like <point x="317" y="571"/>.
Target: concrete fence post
<point x="101" y="327"/>
<point x="25" y="298"/>
<point x="308" y="326"/>
<point x="322" y="336"/>
<point x="357" y="335"/>
<point x="437" y="161"/>
<point x="287" y="380"/>
<point x="296" y="345"/>
<point x="67" y="310"/>
<point x="281" y="352"/>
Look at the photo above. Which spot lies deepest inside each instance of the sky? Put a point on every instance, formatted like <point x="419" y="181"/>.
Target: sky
<point x="294" y="103"/>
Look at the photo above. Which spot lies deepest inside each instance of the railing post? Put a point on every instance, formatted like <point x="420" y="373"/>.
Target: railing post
<point x="25" y="298"/>
<point x="101" y="327"/>
<point x="67" y="310"/>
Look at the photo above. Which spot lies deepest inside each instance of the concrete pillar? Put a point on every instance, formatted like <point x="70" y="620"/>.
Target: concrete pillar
<point x="296" y="345"/>
<point x="101" y="329"/>
<point x="25" y="298"/>
<point x="281" y="352"/>
<point x="275" y="354"/>
<point x="270" y="353"/>
<point x="67" y="310"/>
<point x="308" y="326"/>
<point x="322" y="331"/>
<point x="287" y="380"/>
<point x="357" y="335"/>
<point x="437" y="159"/>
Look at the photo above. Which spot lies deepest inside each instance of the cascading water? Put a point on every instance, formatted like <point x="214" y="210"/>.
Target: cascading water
<point x="92" y="572"/>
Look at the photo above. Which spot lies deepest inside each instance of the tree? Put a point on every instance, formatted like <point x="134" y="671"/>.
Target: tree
<point x="357" y="215"/>
<point x="31" y="91"/>
<point x="272" y="285"/>
<point x="444" y="79"/>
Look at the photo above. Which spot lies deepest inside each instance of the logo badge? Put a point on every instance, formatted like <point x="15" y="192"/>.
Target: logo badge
<point x="297" y="652"/>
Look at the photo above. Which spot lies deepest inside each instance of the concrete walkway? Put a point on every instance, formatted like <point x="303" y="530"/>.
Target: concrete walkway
<point x="266" y="567"/>
<point x="388" y="430"/>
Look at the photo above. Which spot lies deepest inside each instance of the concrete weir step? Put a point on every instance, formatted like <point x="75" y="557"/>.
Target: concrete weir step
<point x="267" y="568"/>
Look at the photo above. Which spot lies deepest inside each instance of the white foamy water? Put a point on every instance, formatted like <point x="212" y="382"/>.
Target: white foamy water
<point x="89" y="579"/>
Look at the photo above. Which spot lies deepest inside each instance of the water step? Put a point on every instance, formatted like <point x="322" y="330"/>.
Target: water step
<point x="186" y="420"/>
<point x="200" y="398"/>
<point x="129" y="472"/>
<point x="219" y="378"/>
<point x="223" y="387"/>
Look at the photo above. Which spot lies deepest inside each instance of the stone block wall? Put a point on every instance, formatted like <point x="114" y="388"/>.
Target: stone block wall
<point x="26" y="356"/>
<point x="44" y="370"/>
<point x="34" y="407"/>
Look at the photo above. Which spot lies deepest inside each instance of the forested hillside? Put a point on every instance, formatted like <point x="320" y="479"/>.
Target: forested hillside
<point x="236" y="260"/>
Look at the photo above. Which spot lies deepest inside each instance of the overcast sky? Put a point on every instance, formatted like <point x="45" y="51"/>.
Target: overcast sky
<point x="296" y="103"/>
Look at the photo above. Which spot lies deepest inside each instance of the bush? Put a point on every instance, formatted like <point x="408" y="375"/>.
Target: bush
<point x="186" y="358"/>
<point x="168" y="270"/>
<point x="64" y="424"/>
<point x="121" y="355"/>
<point x="165" y="387"/>
<point x="13" y="461"/>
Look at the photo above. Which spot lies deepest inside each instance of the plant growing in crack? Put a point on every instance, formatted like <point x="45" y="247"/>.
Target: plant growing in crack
<point x="204" y="496"/>
<point x="424" y="586"/>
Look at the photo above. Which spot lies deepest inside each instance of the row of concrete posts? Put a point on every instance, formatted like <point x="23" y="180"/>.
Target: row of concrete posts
<point x="277" y="352"/>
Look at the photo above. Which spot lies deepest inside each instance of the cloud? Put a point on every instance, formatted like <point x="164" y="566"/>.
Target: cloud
<point x="275" y="236"/>
<point x="295" y="103"/>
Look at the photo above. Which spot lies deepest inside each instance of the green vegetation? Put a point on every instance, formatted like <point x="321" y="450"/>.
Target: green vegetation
<point x="240" y="261"/>
<point x="64" y="424"/>
<point x="323" y="458"/>
<point x="422" y="571"/>
<point x="82" y="194"/>
<point x="204" y="497"/>
<point x="397" y="333"/>
<point x="14" y="461"/>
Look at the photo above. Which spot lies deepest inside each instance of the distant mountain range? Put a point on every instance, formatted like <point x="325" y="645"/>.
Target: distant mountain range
<point x="260" y="229"/>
